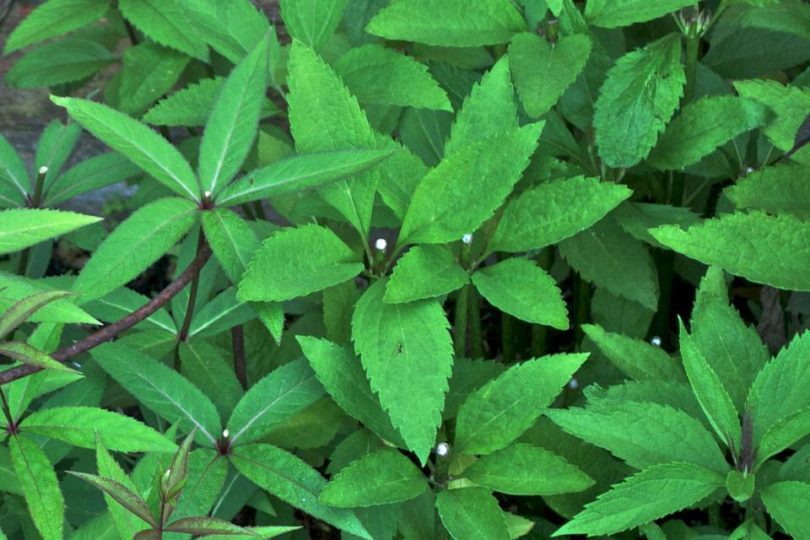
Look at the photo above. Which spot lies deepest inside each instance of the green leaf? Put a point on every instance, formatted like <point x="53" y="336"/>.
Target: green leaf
<point x="740" y="486"/>
<point x="702" y="127"/>
<point x="79" y="426"/>
<point x="407" y="352"/>
<point x="424" y="272"/>
<point x="55" y="146"/>
<point x="231" y="239"/>
<point x="381" y="76"/>
<point x="234" y="120"/>
<point x="717" y="241"/>
<point x="616" y="13"/>
<point x="472" y="514"/>
<point x="190" y="106"/>
<point x="520" y="230"/>
<point x="134" y="245"/>
<point x="635" y="358"/>
<point x="787" y="504"/>
<point x="542" y="71"/>
<point x="789" y="104"/>
<point x="779" y="401"/>
<point x="340" y="124"/>
<point x="15" y="288"/>
<point x="165" y="22"/>
<point x="25" y="227"/>
<point x="648" y="495"/>
<point x="450" y="23"/>
<point x="121" y="494"/>
<point x="54" y="18"/>
<point x="777" y="189"/>
<point x="15" y="316"/>
<point x="205" y="526"/>
<point x="67" y="60"/>
<point x="519" y="287"/>
<point x="91" y="174"/>
<point x="162" y="390"/>
<point x="466" y="188"/>
<point x="276" y="397"/>
<point x="293" y="481"/>
<point x="342" y="375"/>
<point x="232" y="28"/>
<point x="298" y="261"/>
<point x="637" y="219"/>
<point x="13" y="176"/>
<point x="382" y="477"/>
<point x="312" y="21"/>
<point x="643" y="433"/>
<point x="714" y="399"/>
<point x="148" y="72"/>
<point x="28" y="355"/>
<point x="300" y="173"/>
<point x="126" y="523"/>
<point x="40" y="486"/>
<point x="121" y="302"/>
<point x="500" y="411"/>
<point x="733" y="350"/>
<point x="137" y="142"/>
<point x="611" y="258"/>
<point x="221" y="313"/>
<point x="523" y="469"/>
<point x="208" y="368"/>
<point x="639" y="96"/>
<point x="487" y="112"/>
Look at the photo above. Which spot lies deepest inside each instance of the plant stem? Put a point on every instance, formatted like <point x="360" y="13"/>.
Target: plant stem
<point x="460" y="327"/>
<point x="33" y="202"/>
<point x="692" y="50"/>
<point x="113" y="330"/>
<point x="11" y="426"/>
<point x="239" y="366"/>
<point x="192" y="296"/>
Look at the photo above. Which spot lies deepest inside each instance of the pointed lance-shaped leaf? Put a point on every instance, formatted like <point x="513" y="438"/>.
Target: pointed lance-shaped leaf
<point x="136" y="141"/>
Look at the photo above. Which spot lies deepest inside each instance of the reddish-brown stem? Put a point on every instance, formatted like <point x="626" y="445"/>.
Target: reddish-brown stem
<point x="111" y="331"/>
<point x="239" y="367"/>
<point x="192" y="296"/>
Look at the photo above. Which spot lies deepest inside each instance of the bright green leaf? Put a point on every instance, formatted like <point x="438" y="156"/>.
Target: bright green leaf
<point x="424" y="272"/>
<point x="522" y="469"/>
<point x="145" y="148"/>
<point x="134" y="245"/>
<point x="500" y="411"/>
<point x="407" y="353"/>
<point x="298" y="261"/>
<point x="450" y="23"/>
<point x="543" y="71"/>
<point x="717" y="242"/>
<point x="640" y="95"/>
<point x="25" y="227"/>
<point x="382" y="477"/>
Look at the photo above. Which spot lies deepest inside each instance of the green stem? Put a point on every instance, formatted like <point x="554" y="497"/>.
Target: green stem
<point x="460" y="327"/>
<point x="34" y="202"/>
<point x="692" y="50"/>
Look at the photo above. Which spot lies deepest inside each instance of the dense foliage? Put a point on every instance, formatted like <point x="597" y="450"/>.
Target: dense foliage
<point x="436" y="268"/>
